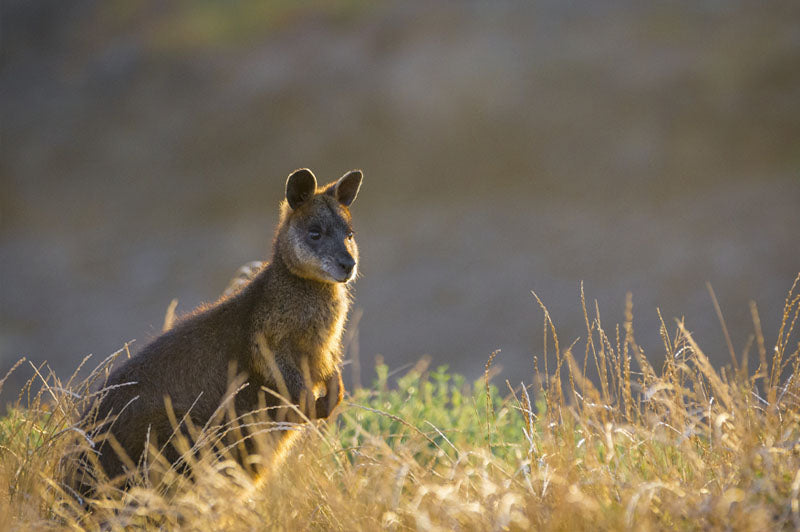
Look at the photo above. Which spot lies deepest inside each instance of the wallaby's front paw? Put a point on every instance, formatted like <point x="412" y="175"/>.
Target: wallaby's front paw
<point x="335" y="392"/>
<point x="304" y="407"/>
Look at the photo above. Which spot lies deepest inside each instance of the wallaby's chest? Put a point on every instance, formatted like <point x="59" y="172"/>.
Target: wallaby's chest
<point x="310" y="325"/>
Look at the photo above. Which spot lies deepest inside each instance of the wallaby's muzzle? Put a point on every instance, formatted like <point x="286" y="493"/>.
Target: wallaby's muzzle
<point x="346" y="266"/>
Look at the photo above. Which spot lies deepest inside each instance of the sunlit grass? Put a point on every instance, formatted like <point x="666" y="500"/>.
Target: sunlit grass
<point x="684" y="446"/>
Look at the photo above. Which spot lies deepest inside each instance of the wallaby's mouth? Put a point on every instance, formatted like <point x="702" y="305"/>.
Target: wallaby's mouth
<point x="346" y="278"/>
<point x="337" y="273"/>
<point x="345" y="267"/>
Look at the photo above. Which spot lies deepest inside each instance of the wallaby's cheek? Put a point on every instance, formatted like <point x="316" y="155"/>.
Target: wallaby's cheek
<point x="306" y="262"/>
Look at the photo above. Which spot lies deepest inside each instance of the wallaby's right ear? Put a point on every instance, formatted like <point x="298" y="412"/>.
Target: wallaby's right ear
<point x="346" y="188"/>
<point x="300" y="186"/>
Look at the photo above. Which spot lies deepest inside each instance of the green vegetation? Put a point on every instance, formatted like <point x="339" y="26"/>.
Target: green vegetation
<point x="685" y="447"/>
<point x="196" y="25"/>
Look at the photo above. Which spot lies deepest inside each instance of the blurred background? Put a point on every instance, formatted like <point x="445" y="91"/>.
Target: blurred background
<point x="507" y="147"/>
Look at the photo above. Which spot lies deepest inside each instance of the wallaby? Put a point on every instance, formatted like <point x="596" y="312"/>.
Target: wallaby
<point x="282" y="332"/>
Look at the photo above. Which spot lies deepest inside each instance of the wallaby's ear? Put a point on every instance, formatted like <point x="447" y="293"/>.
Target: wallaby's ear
<point x="300" y="186"/>
<point x="346" y="188"/>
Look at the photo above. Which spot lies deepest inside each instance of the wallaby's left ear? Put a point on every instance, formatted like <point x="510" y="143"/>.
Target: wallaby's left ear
<point x="346" y="188"/>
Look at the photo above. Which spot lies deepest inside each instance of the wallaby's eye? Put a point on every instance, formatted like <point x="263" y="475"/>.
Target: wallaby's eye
<point x="314" y="234"/>
<point x="350" y="235"/>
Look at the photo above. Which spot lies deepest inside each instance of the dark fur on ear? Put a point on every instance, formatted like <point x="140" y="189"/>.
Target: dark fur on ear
<point x="346" y="188"/>
<point x="300" y="186"/>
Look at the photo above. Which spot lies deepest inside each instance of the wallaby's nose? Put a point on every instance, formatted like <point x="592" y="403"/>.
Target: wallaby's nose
<point x="347" y="263"/>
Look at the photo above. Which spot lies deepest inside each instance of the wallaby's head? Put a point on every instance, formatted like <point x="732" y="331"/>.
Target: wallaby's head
<point x="315" y="236"/>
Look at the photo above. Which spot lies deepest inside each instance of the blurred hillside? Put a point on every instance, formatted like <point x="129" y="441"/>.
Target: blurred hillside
<point x="506" y="148"/>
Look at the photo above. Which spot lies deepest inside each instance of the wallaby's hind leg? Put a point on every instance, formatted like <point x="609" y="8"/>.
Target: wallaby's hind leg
<point x="334" y="395"/>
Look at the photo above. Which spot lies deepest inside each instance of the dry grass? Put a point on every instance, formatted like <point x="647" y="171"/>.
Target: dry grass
<point x="681" y="447"/>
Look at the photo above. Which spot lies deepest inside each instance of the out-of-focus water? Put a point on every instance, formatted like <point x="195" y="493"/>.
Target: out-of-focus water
<point x="506" y="149"/>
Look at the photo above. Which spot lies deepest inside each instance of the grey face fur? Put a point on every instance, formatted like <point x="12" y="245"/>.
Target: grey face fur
<point x="319" y="227"/>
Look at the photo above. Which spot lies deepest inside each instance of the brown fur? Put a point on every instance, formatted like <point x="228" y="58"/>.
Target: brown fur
<point x="290" y="317"/>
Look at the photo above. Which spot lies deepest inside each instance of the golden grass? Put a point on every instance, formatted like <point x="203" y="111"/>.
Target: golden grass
<point x="685" y="447"/>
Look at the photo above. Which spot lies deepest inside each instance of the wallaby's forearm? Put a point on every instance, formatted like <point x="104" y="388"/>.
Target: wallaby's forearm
<point x="334" y="396"/>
